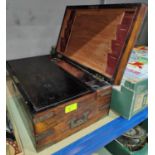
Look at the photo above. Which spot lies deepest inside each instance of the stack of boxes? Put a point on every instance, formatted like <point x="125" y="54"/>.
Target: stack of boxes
<point x="131" y="96"/>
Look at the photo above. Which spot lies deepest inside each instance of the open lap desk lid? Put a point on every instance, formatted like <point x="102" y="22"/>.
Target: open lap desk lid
<point x="101" y="37"/>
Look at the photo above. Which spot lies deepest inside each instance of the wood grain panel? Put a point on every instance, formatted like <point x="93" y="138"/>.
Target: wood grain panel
<point x="90" y="40"/>
<point x="99" y="36"/>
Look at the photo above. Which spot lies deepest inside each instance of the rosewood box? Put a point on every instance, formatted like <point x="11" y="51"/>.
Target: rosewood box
<point x="71" y="89"/>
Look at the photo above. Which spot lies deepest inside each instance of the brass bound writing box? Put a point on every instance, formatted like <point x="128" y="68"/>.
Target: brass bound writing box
<point x="71" y="89"/>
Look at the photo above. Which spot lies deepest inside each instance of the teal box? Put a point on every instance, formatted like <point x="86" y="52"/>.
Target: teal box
<point x="130" y="98"/>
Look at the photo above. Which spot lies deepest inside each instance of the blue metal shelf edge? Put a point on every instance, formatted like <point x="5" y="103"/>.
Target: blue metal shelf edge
<point x="102" y="136"/>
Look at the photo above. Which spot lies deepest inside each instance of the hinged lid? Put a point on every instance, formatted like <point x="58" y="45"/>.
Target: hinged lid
<point x="101" y="37"/>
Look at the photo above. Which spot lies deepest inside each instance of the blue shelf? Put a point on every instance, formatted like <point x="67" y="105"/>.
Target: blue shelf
<point x="103" y="135"/>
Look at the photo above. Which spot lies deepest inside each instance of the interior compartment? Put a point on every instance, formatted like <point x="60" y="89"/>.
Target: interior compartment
<point x="85" y="38"/>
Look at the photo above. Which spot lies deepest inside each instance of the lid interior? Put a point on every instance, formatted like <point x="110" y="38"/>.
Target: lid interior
<point x="96" y="36"/>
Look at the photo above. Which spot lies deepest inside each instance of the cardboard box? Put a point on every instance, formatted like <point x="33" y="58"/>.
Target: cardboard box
<point x="131" y="96"/>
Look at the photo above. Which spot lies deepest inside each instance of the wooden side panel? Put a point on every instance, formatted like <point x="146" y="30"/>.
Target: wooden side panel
<point x="66" y="29"/>
<point x="60" y="125"/>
